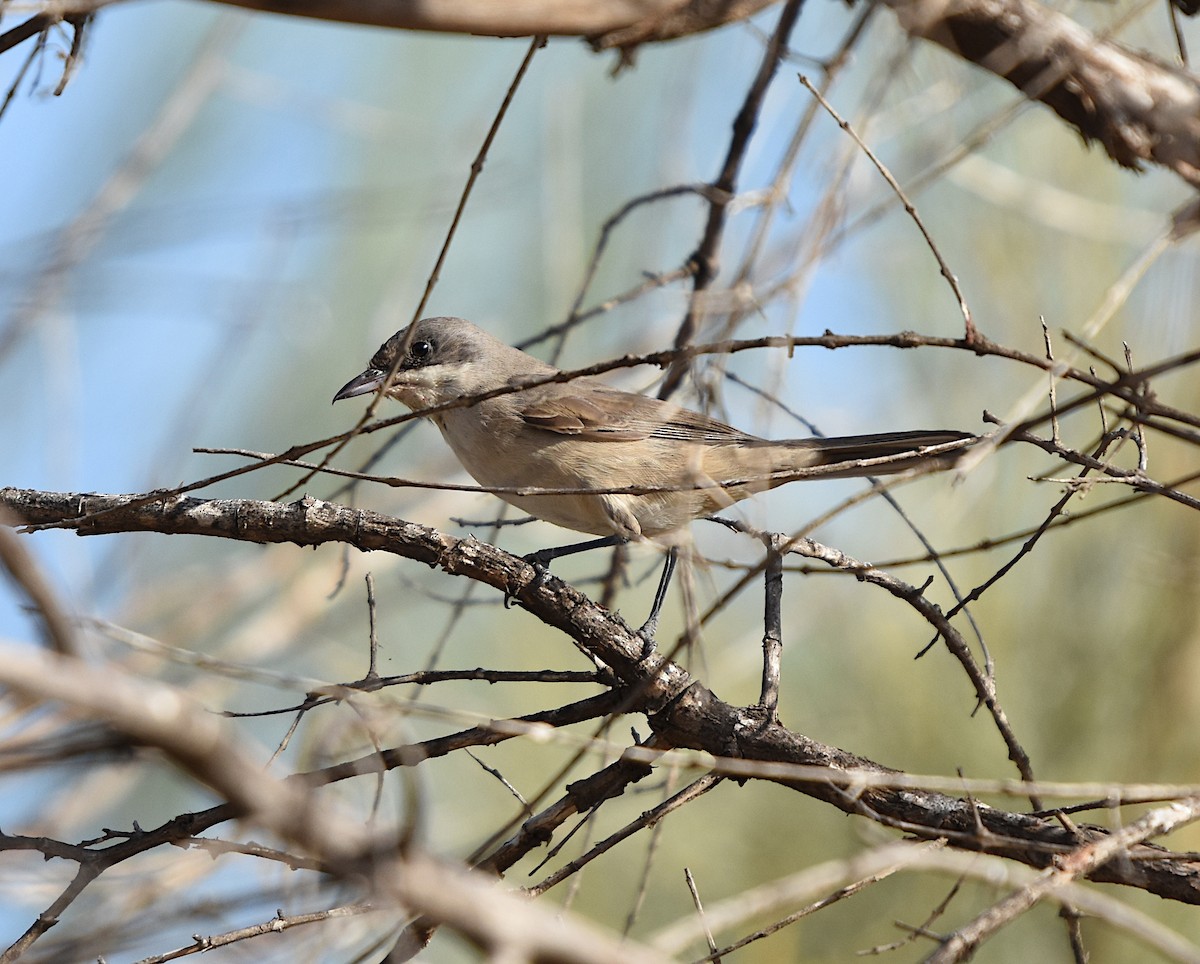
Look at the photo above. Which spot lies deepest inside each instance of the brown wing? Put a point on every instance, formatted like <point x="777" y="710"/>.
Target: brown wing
<point x="602" y="414"/>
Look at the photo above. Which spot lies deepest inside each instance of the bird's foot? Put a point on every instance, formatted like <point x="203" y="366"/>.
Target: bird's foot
<point x="649" y="628"/>
<point x="540" y="561"/>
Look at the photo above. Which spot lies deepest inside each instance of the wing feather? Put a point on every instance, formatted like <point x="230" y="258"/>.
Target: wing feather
<point x="608" y="415"/>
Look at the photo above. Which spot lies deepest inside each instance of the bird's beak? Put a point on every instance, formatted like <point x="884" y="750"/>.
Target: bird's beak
<point x="368" y="381"/>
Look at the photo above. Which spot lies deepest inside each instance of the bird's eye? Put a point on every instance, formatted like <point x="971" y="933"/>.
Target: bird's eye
<point x="421" y="350"/>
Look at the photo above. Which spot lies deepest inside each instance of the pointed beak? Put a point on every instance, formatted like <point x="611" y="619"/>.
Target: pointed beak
<point x="368" y="381"/>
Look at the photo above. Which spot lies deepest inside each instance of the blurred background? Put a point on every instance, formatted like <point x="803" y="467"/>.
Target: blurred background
<point x="224" y="214"/>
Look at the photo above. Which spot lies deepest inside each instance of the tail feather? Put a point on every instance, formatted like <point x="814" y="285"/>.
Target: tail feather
<point x="756" y="465"/>
<point x="905" y="449"/>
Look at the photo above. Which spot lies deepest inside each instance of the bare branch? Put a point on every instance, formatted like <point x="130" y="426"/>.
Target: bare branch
<point x="1140" y="109"/>
<point x="200" y="743"/>
<point x="24" y="571"/>
<point x="682" y="712"/>
<point x="963" y="943"/>
<point x="607" y="23"/>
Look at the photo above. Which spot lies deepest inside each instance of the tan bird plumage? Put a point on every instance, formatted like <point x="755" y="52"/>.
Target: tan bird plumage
<point x="583" y="434"/>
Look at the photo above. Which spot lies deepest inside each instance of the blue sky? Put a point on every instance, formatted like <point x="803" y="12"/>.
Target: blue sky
<point x="313" y="179"/>
<point x="291" y="216"/>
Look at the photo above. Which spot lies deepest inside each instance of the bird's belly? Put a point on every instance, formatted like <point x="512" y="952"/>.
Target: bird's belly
<point x="580" y="513"/>
<point x="497" y="460"/>
<point x="520" y="460"/>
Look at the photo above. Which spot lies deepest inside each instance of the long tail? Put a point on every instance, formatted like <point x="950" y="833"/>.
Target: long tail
<point x="755" y="465"/>
<point x="903" y="451"/>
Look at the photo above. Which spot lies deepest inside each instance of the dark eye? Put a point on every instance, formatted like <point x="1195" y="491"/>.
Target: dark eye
<point x="421" y="350"/>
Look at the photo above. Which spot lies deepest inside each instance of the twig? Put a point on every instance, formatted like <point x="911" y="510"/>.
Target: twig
<point x="983" y="684"/>
<point x="574" y="315"/>
<point x="78" y="238"/>
<point x="648" y="819"/>
<point x="57" y="626"/>
<point x="372" y="674"/>
<point x="922" y="928"/>
<point x="476" y="168"/>
<point x="643" y="887"/>
<point x="969" y="331"/>
<point x="815" y="880"/>
<point x="1053" y="384"/>
<point x="714" y="954"/>
<point x="276" y="925"/>
<point x="838" y="895"/>
<point x="704" y="261"/>
<point x="504" y="782"/>
<point x="683" y="711"/>
<point x="963" y="942"/>
<point x="773" y="626"/>
<point x="79" y="26"/>
<point x="34" y="52"/>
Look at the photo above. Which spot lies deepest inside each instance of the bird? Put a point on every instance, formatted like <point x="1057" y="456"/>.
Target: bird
<point x="598" y="460"/>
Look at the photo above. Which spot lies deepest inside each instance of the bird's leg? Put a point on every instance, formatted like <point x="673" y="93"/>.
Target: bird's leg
<point x="541" y="559"/>
<point x="660" y="595"/>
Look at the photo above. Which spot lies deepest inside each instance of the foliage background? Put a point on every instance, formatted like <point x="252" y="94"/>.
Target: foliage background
<point x="217" y="292"/>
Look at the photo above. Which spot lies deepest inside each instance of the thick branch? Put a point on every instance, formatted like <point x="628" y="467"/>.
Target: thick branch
<point x="607" y="23"/>
<point x="1141" y="110"/>
<point x="206" y="747"/>
<point x="701" y="721"/>
<point x="312" y="522"/>
<point x="681" y="710"/>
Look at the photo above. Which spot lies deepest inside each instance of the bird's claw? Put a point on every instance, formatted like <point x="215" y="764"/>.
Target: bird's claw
<point x="649" y="628"/>
<point x="540" y="560"/>
<point x="541" y="571"/>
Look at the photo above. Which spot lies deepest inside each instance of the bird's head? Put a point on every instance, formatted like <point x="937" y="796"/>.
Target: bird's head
<point x="436" y="361"/>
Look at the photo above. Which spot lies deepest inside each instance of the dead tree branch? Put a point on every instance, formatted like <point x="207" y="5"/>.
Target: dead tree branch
<point x="1141" y="110"/>
<point x="682" y="712"/>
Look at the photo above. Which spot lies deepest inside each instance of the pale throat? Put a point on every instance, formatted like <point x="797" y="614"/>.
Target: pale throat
<point x="425" y="387"/>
